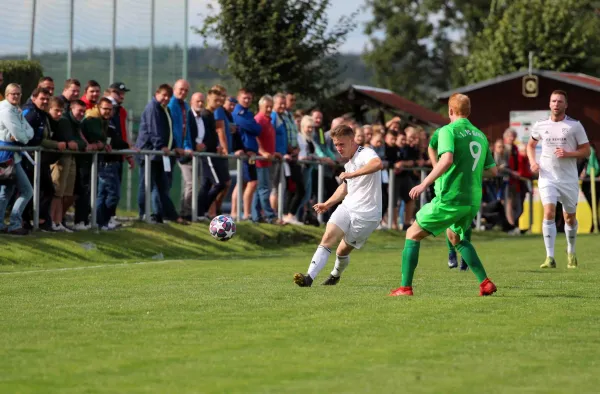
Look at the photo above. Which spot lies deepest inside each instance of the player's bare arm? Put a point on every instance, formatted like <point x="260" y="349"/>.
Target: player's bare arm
<point x="442" y="166"/>
<point x="582" y="152"/>
<point x="337" y="197"/>
<point x="372" y="166"/>
<point x="535" y="167"/>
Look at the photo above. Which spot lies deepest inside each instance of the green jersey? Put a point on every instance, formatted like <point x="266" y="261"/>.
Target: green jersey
<point x="433" y="144"/>
<point x="461" y="183"/>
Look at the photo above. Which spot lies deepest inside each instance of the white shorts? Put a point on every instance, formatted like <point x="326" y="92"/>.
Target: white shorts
<point x="567" y="194"/>
<point x="356" y="230"/>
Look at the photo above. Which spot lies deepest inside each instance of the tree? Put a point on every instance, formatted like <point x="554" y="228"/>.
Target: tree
<point x="415" y="49"/>
<point x="563" y="35"/>
<point x="279" y="44"/>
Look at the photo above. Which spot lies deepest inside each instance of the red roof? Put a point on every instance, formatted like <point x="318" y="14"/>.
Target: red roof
<point x="587" y="79"/>
<point x="391" y="99"/>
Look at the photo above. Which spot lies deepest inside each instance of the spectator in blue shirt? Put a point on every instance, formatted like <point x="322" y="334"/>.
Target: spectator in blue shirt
<point x="281" y="146"/>
<point x="225" y="145"/>
<point x="249" y="129"/>
<point x="182" y="140"/>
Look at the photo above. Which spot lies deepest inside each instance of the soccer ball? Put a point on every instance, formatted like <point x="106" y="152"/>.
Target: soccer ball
<point x="222" y="228"/>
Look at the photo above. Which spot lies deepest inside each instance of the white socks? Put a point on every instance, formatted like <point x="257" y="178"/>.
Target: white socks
<point x="549" y="231"/>
<point x="318" y="261"/>
<point x="571" y="233"/>
<point x="340" y="265"/>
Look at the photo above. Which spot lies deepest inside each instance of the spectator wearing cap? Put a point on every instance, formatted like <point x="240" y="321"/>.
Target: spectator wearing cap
<point x="116" y="94"/>
<point x="249" y="130"/>
<point x="91" y="94"/>
<point x="14" y="130"/>
<point x="182" y="141"/>
<point x="109" y="189"/>
<point x="70" y="92"/>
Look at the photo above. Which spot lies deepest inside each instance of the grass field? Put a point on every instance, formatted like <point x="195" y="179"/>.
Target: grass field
<point x="213" y="317"/>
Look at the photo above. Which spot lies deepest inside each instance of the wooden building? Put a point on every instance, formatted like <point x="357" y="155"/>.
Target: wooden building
<point x="494" y="99"/>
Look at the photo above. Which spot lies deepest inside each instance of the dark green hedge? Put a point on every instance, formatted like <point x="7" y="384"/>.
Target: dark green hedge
<point x="24" y="72"/>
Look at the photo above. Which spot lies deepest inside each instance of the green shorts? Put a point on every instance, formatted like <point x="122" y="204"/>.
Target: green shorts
<point x="435" y="217"/>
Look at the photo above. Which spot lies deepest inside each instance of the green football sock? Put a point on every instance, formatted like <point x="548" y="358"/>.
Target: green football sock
<point x="410" y="259"/>
<point x="467" y="251"/>
<point x="449" y="244"/>
<point x="468" y="234"/>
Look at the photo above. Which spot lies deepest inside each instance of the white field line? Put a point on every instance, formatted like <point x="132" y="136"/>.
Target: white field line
<point x="92" y="267"/>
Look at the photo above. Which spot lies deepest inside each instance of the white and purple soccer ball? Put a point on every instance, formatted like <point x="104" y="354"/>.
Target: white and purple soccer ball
<point x="222" y="228"/>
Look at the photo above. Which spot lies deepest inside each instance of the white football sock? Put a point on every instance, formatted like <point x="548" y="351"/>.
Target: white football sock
<point x="341" y="262"/>
<point x="549" y="231"/>
<point x="318" y="261"/>
<point x="571" y="233"/>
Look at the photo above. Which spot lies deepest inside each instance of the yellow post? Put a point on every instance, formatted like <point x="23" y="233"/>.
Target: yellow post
<point x="594" y="198"/>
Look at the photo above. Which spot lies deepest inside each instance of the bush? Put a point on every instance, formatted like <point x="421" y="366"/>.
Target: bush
<point x="24" y="72"/>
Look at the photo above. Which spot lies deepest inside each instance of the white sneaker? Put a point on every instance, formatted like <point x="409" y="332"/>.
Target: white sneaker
<point x="81" y="226"/>
<point x="293" y="220"/>
<point x="110" y="226"/>
<point x="114" y="222"/>
<point x="106" y="228"/>
<point x="60" y="228"/>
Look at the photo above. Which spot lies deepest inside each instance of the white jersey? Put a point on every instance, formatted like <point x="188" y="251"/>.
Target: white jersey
<point x="364" y="192"/>
<point x="567" y="134"/>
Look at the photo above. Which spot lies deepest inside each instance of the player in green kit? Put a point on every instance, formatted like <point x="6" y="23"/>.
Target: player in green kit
<point x="452" y="258"/>
<point x="464" y="154"/>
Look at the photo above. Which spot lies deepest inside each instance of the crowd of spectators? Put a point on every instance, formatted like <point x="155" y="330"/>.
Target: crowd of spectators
<point x="83" y="119"/>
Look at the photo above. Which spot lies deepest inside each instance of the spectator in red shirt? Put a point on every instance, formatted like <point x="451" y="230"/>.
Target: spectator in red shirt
<point x="512" y="197"/>
<point x="266" y="148"/>
<point x="91" y="94"/>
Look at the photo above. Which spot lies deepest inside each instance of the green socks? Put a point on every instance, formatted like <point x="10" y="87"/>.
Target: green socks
<point x="410" y="259"/>
<point x="467" y="237"/>
<point x="467" y="251"/>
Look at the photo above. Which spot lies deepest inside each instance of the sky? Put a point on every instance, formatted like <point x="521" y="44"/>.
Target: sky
<point x="93" y="18"/>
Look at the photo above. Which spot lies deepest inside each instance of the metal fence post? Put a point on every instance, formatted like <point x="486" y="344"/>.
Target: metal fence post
<point x="281" y="190"/>
<point x="147" y="188"/>
<point x="321" y="188"/>
<point x="94" y="189"/>
<point x="478" y="221"/>
<point x="129" y="169"/>
<point x="391" y="200"/>
<point x="37" y="169"/>
<point x="240" y="188"/>
<point x="530" y="184"/>
<point x="194" y="188"/>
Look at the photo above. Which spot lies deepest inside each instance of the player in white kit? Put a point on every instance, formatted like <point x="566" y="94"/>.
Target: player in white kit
<point x="563" y="141"/>
<point x="359" y="213"/>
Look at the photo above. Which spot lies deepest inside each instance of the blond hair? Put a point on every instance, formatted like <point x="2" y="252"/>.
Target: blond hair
<point x="306" y="120"/>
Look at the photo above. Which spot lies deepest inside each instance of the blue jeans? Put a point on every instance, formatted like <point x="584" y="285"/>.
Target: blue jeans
<point x="261" y="196"/>
<point x="307" y="178"/>
<point x="109" y="192"/>
<point x="21" y="183"/>
<point x="162" y="207"/>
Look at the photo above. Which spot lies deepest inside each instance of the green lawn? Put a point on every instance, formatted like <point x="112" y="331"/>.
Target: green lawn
<point x="237" y="323"/>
